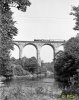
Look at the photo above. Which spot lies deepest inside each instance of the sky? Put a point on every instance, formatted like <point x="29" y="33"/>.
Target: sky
<point x="44" y="19"/>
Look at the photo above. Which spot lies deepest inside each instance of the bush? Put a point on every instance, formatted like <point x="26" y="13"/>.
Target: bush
<point x="18" y="70"/>
<point x="65" y="67"/>
<point x="9" y="72"/>
<point x="30" y="64"/>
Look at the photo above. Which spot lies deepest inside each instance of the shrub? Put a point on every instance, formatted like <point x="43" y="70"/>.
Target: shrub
<point x="18" y="70"/>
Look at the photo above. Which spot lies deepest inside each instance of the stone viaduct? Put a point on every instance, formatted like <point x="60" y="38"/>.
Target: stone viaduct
<point x="38" y="44"/>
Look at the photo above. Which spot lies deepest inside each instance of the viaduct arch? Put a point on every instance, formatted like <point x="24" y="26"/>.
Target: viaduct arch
<point x="38" y="44"/>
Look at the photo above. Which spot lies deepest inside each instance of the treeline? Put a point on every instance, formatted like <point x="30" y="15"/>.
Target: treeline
<point x="20" y="67"/>
<point x="25" y="65"/>
<point x="67" y="64"/>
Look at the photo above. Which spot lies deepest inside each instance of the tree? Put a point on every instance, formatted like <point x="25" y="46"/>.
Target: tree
<point x="19" y="71"/>
<point x="67" y="62"/>
<point x="72" y="47"/>
<point x="19" y="4"/>
<point x="8" y="30"/>
<point x="33" y="65"/>
<point x="65" y="67"/>
<point x="76" y="14"/>
<point x="25" y="63"/>
<point x="30" y="64"/>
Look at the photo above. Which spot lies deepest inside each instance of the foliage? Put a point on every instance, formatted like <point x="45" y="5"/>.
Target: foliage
<point x="33" y="65"/>
<point x="72" y="47"/>
<point x="75" y="12"/>
<point x="67" y="62"/>
<point x="28" y="92"/>
<point x="19" y="4"/>
<point x="41" y="70"/>
<point x="30" y="64"/>
<point x="65" y="67"/>
<point x="49" y="66"/>
<point x="15" y="61"/>
<point x="19" y="71"/>
<point x="8" y="30"/>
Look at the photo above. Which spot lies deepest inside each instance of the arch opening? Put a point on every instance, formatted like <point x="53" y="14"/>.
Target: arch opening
<point x="15" y="53"/>
<point x="60" y="48"/>
<point x="29" y="51"/>
<point x="47" y="53"/>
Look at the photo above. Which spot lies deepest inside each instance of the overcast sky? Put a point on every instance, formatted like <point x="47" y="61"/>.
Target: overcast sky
<point x="45" y="19"/>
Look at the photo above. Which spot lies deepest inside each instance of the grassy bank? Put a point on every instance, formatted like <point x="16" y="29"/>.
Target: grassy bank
<point x="19" y="92"/>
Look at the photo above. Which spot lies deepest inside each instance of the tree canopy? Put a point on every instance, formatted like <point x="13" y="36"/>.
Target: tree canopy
<point x="30" y="64"/>
<point x="8" y="30"/>
<point x="75" y="12"/>
<point x="67" y="62"/>
<point x="72" y="47"/>
<point x="19" y="4"/>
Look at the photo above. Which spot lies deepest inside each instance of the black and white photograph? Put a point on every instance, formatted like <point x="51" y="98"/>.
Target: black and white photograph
<point x="39" y="49"/>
